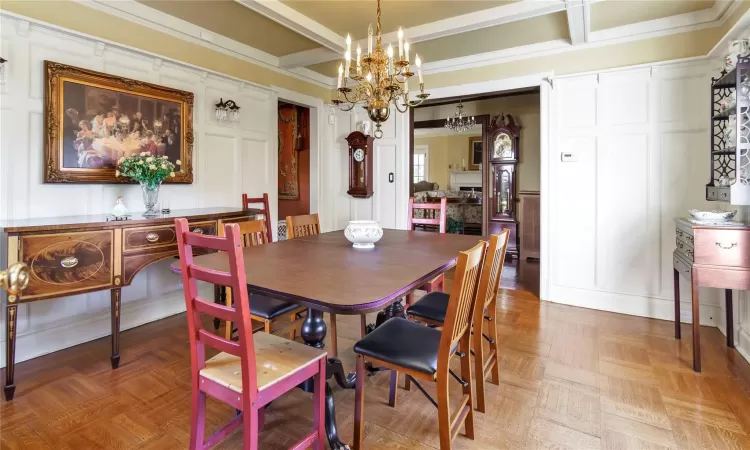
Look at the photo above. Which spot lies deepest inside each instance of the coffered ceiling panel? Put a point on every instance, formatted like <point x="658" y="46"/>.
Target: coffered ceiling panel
<point x="231" y="19"/>
<point x="353" y="17"/>
<point x="514" y="34"/>
<point x="614" y="13"/>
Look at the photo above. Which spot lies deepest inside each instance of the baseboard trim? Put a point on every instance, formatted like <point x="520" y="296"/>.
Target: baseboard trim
<point x="742" y="345"/>
<point x="633" y="305"/>
<point x="133" y="314"/>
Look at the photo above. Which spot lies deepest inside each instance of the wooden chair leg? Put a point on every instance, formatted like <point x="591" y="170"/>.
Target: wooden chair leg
<point x="444" y="415"/>
<point x="228" y="302"/>
<point x="465" y="347"/>
<point x="267" y="326"/>
<point x="492" y="333"/>
<point x="478" y="367"/>
<point x="250" y="429"/>
<point x="293" y="332"/>
<point x="407" y="382"/>
<point x="359" y="404"/>
<point x="334" y="353"/>
<point x="363" y="325"/>
<point x="198" y="421"/>
<point x="394" y="389"/>
<point x="319" y="400"/>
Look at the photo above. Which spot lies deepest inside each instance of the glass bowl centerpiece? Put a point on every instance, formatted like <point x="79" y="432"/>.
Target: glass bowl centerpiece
<point x="150" y="171"/>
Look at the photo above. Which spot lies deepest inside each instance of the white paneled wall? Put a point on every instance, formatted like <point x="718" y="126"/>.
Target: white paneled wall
<point x="640" y="137"/>
<point x="228" y="160"/>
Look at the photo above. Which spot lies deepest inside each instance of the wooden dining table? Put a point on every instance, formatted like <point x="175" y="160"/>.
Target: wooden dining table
<point x="326" y="274"/>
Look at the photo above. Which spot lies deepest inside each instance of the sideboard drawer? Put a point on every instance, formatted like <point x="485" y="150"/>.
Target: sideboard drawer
<point x="685" y="249"/>
<point x="137" y="239"/>
<point x="722" y="247"/>
<point x="680" y="265"/>
<point x="67" y="262"/>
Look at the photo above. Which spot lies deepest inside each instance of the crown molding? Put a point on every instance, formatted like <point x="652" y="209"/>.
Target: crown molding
<point x="143" y="15"/>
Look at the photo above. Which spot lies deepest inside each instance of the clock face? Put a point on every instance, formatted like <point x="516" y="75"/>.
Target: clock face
<point x="503" y="147"/>
<point x="359" y="155"/>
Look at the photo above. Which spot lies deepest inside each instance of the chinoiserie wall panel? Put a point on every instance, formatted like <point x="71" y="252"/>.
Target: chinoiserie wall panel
<point x="227" y="159"/>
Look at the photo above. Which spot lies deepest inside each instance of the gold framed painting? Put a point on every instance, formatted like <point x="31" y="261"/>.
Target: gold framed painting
<point x="475" y="152"/>
<point x="93" y="119"/>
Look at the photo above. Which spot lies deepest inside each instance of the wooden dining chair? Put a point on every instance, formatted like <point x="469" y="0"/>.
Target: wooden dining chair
<point x="437" y="283"/>
<point x="433" y="308"/>
<point x="277" y="316"/>
<point x="425" y="353"/>
<point x="265" y="210"/>
<point x="309" y="225"/>
<point x="238" y="375"/>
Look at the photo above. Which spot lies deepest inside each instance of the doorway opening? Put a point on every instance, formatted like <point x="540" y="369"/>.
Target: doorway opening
<point x="293" y="163"/>
<point x="489" y="173"/>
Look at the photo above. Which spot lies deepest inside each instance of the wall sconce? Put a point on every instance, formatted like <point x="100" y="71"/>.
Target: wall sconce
<point x="2" y="69"/>
<point x="227" y="111"/>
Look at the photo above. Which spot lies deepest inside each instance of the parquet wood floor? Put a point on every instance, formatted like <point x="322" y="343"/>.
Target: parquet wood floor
<point x="571" y="378"/>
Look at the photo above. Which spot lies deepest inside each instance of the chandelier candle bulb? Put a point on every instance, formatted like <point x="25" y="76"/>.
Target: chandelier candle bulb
<point x="369" y="40"/>
<point x="341" y="72"/>
<point x="406" y="51"/>
<point x="400" y="43"/>
<point x="359" y="56"/>
<point x="348" y="59"/>
<point x="348" y="44"/>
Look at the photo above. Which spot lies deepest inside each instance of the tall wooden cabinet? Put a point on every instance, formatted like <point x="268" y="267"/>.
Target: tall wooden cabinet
<point x="500" y="159"/>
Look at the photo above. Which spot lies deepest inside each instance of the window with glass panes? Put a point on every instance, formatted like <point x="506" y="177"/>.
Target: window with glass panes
<point x="420" y="164"/>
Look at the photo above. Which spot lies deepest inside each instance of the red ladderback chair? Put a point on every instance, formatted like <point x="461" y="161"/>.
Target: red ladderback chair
<point x="236" y="375"/>
<point x="265" y="210"/>
<point x="436" y="284"/>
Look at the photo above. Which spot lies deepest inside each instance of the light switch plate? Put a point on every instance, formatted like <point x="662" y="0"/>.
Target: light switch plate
<point x="568" y="157"/>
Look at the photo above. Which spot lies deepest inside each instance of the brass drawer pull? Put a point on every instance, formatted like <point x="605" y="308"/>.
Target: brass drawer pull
<point x="723" y="247"/>
<point x="152" y="237"/>
<point x="69" y="262"/>
<point x="689" y="239"/>
<point x="198" y="230"/>
<point x="689" y="253"/>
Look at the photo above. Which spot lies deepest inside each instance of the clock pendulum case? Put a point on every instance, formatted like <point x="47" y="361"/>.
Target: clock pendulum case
<point x="360" y="164"/>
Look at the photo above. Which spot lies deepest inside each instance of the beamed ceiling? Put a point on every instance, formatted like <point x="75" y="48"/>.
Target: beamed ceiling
<point x="310" y="33"/>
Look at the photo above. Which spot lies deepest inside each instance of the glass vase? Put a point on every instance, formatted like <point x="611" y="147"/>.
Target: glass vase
<point x="150" y="198"/>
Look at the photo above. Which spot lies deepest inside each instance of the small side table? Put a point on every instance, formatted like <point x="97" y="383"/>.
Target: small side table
<point x="710" y="256"/>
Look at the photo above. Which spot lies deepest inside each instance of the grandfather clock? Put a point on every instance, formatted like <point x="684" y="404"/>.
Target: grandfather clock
<point x="360" y="164"/>
<point x="502" y="158"/>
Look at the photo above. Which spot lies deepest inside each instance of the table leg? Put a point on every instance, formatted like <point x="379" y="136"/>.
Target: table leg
<point x="115" y="313"/>
<point x="730" y="318"/>
<point x="696" y="324"/>
<point x="313" y="332"/>
<point x="11" y="318"/>
<point x="677" y="334"/>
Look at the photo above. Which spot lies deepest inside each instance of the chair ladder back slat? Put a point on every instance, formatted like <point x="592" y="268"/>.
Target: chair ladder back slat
<point x="440" y="220"/>
<point x="265" y="210"/>
<point x="298" y="226"/>
<point x="240" y="314"/>
<point x="458" y="316"/>
<point x="489" y="282"/>
<point x="253" y="232"/>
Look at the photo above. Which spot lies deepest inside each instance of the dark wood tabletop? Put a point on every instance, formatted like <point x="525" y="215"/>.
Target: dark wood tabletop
<point x="326" y="273"/>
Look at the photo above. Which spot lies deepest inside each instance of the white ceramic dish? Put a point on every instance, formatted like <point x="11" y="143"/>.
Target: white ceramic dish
<point x="712" y="216"/>
<point x="363" y="233"/>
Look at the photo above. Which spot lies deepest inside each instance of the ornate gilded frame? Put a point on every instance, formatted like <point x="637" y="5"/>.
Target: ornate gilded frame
<point x="54" y="76"/>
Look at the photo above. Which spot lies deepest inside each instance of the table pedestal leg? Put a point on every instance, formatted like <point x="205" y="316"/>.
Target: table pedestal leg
<point x="395" y="309"/>
<point x="313" y="332"/>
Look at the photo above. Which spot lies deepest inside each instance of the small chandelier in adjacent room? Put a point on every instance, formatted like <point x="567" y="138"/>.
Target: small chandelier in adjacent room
<point x="227" y="111"/>
<point x="460" y="122"/>
<point x="378" y="79"/>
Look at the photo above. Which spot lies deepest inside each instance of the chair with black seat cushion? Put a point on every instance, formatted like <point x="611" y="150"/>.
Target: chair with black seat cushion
<point x="425" y="353"/>
<point x="432" y="308"/>
<point x="277" y="316"/>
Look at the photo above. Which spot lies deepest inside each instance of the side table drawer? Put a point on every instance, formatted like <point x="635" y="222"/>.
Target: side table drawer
<point x="151" y="238"/>
<point x="722" y="247"/>
<point x="680" y="265"/>
<point x="62" y="263"/>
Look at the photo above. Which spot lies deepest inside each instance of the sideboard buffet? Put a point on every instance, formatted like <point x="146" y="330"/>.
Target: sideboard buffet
<point x="80" y="254"/>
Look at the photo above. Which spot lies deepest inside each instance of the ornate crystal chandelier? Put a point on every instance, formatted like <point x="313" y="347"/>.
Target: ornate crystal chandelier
<point x="378" y="79"/>
<point x="460" y="122"/>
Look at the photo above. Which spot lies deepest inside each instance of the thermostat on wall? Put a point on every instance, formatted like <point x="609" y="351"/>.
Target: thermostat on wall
<point x="568" y="157"/>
